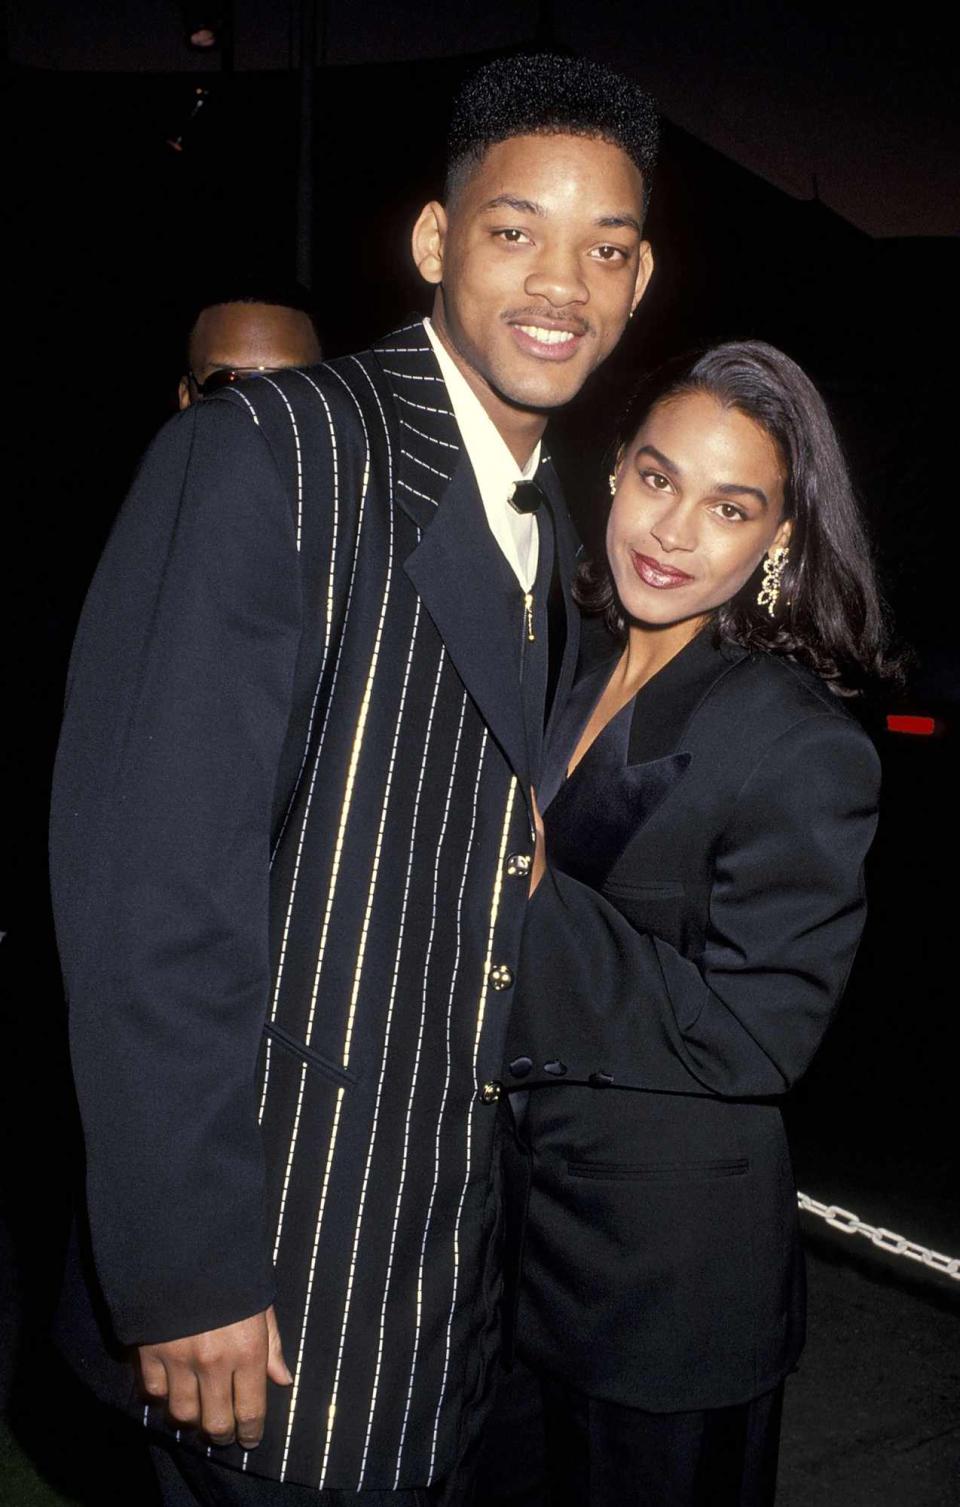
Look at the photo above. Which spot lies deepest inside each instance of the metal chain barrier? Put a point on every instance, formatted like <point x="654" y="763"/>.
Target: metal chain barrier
<point x="886" y="1240"/>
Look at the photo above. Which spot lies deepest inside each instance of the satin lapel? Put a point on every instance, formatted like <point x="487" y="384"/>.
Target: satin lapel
<point x="665" y="705"/>
<point x="470" y="593"/>
<point x="429" y="440"/>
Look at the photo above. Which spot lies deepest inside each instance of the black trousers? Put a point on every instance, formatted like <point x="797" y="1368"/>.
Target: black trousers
<point x="602" y="1454"/>
<point x="191" y="1480"/>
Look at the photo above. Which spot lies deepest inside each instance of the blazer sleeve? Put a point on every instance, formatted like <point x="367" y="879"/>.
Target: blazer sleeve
<point x="786" y="913"/>
<point x="177" y="703"/>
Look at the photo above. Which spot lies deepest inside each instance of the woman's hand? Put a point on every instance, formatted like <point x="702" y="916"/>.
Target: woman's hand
<point x="540" y="852"/>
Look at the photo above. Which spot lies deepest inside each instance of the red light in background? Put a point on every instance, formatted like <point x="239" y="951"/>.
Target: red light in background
<point x="920" y="727"/>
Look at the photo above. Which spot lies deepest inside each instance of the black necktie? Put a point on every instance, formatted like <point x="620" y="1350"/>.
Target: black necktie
<point x="526" y="497"/>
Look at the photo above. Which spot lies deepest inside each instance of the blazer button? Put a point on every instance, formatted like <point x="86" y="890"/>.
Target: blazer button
<point x="490" y="1092"/>
<point x="600" y="1080"/>
<point x="501" y="977"/>
<point x="521" y="1066"/>
<point x="556" y="1069"/>
<point x="519" y="865"/>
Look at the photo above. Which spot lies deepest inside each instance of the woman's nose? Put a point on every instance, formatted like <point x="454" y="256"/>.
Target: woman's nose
<point x="675" y="528"/>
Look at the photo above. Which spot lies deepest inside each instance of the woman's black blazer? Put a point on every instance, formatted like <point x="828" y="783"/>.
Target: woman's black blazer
<point x="690" y="943"/>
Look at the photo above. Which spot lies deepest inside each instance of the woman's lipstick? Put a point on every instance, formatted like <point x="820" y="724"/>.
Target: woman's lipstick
<point x="654" y="573"/>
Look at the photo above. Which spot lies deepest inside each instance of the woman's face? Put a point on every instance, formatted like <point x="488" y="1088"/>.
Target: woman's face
<point x="698" y="504"/>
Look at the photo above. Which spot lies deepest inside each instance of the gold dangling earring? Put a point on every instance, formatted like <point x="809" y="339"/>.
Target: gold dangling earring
<point x="773" y="565"/>
<point x="612" y="482"/>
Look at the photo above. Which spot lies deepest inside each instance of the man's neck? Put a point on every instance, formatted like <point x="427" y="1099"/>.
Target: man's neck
<point x="521" y="429"/>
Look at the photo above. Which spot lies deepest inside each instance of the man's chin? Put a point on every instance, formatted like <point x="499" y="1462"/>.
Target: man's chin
<point x="534" y="395"/>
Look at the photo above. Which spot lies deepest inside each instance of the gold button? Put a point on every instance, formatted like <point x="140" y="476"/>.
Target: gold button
<point x="519" y="865"/>
<point x="501" y="977"/>
<point x="490" y="1093"/>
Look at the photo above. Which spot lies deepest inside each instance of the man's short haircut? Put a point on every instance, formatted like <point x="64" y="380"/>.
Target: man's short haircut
<point x="544" y="94"/>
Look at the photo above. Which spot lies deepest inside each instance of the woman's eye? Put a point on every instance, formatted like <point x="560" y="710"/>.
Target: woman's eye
<point x="729" y="512"/>
<point x="656" y="480"/>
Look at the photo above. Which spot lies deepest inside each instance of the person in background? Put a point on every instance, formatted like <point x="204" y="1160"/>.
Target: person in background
<point x="242" y="334"/>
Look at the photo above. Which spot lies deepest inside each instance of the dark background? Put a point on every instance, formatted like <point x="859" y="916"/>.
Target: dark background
<point x="118" y="234"/>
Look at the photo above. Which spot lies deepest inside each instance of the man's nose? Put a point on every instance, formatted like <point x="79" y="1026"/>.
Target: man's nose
<point x="557" y="278"/>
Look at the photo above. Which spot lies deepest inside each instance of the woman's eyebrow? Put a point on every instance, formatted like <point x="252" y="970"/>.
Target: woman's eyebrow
<point x="660" y="458"/>
<point x="734" y="488"/>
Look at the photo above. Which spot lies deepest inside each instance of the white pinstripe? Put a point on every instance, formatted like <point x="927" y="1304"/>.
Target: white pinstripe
<point x="351" y="777"/>
<point x="296" y="441"/>
<point x="431" y="437"/>
<point x="443" y="1104"/>
<point x="417" y="325"/>
<point x="361" y="512"/>
<point x="337" y="854"/>
<point x="481" y="1012"/>
<point x="411" y="376"/>
<point x="423" y="407"/>
<point x="428" y="954"/>
<point x="408" y="488"/>
<point x="366" y="922"/>
<point x="400" y="350"/>
<point x="235" y="391"/>
<point x="410" y="456"/>
<point x="328" y="626"/>
<point x="331" y="1414"/>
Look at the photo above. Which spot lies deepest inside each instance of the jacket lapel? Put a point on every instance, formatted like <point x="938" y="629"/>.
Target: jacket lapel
<point x="457" y="568"/>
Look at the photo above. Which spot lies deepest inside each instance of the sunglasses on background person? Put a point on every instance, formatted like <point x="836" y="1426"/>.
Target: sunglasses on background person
<point x="224" y="377"/>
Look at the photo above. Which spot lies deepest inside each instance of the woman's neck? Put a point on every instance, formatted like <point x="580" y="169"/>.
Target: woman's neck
<point x="649" y="648"/>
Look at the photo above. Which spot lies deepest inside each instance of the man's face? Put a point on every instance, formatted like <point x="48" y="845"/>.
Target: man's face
<point x="248" y="337"/>
<point x="539" y="261"/>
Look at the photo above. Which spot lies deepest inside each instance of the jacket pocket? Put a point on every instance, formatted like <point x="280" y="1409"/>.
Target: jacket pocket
<point x="658" y="1171"/>
<point x="306" y="1054"/>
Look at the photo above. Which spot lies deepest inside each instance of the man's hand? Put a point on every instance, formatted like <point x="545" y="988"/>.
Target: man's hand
<point x="217" y="1381"/>
<point x="540" y="852"/>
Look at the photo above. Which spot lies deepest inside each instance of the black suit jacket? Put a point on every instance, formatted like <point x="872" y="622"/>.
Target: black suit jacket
<point x="684" y="957"/>
<point x="292" y="776"/>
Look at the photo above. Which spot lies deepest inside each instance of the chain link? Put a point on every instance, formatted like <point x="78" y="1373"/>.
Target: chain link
<point x="886" y="1240"/>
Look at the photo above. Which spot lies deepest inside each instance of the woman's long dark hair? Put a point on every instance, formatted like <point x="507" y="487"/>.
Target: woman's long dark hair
<point x="829" y="615"/>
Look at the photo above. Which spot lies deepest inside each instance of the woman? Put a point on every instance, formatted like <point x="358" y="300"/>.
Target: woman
<point x="708" y="802"/>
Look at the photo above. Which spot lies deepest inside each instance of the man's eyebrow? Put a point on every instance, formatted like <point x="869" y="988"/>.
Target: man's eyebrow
<point x="621" y="221"/>
<point x="726" y="488"/>
<point x="509" y="201"/>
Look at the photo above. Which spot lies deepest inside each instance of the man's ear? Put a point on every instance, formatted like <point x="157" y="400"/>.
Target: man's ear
<point x="183" y="394"/>
<point x="644" y="273"/>
<point x="428" y="241"/>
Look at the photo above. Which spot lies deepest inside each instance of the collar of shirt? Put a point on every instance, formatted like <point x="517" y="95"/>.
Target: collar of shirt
<point x="495" y="469"/>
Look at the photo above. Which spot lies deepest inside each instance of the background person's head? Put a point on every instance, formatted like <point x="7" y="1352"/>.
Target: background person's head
<point x="537" y="251"/>
<point x="238" y="333"/>
<point x="743" y="407"/>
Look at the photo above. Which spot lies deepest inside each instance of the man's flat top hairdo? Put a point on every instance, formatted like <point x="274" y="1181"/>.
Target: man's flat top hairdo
<point x="544" y="94"/>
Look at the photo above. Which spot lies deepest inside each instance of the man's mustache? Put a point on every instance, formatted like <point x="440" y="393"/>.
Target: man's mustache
<point x="568" y="319"/>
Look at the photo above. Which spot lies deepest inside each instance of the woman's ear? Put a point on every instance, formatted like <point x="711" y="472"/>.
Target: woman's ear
<point x="781" y="539"/>
<point x="428" y="241"/>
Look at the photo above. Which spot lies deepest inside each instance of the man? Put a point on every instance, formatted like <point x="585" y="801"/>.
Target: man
<point x="241" y="335"/>
<point x="293" y="829"/>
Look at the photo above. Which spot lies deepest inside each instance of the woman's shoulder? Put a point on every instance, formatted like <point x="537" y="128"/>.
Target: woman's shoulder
<point x="769" y="695"/>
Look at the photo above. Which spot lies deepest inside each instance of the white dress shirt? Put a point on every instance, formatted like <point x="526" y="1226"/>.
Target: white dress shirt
<point x="495" y="469"/>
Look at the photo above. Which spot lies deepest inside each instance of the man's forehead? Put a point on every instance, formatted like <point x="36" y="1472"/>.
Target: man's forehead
<point x="539" y="170"/>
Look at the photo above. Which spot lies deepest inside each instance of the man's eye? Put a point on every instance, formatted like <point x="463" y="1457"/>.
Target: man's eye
<point x="609" y="253"/>
<point x="511" y="235"/>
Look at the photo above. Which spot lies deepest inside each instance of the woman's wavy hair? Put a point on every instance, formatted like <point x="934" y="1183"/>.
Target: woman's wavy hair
<point x="829" y="616"/>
